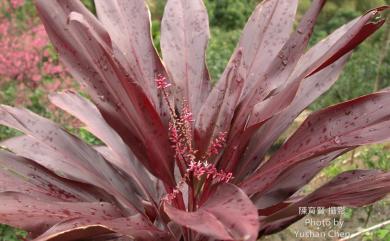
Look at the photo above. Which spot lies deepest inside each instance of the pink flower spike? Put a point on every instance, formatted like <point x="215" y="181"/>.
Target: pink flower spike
<point x="187" y="114"/>
<point x="162" y="83"/>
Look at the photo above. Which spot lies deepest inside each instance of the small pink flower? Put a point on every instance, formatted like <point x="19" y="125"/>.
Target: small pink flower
<point x="161" y="82"/>
<point x="216" y="145"/>
<point x="187" y="114"/>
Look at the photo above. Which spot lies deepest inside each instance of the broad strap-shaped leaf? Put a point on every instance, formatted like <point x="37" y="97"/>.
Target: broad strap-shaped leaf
<point x="357" y="122"/>
<point x="263" y="36"/>
<point x="280" y="67"/>
<point x="153" y="133"/>
<point x="127" y="228"/>
<point x="227" y="215"/>
<point x="86" y="49"/>
<point x="340" y="42"/>
<point x="265" y="33"/>
<point x="323" y="54"/>
<point x="37" y="216"/>
<point x="267" y="83"/>
<point x="231" y="159"/>
<point x="295" y="178"/>
<point x="18" y="174"/>
<point x="309" y="90"/>
<point x="49" y="145"/>
<point x="317" y="58"/>
<point x="263" y="100"/>
<point x="262" y="112"/>
<point x="184" y="38"/>
<point x="123" y="158"/>
<point x="128" y="23"/>
<point x="223" y="99"/>
<point x="353" y="188"/>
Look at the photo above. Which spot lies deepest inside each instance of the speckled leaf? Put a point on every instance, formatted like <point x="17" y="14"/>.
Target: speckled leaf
<point x="352" y="189"/>
<point x="216" y="115"/>
<point x="320" y="56"/>
<point x="135" y="228"/>
<point x="280" y="67"/>
<point x="122" y="157"/>
<point x="340" y="42"/>
<point x="309" y="90"/>
<point x="357" y="122"/>
<point x="228" y="214"/>
<point x="128" y="23"/>
<point x="263" y="36"/>
<point x="37" y="216"/>
<point x="265" y="33"/>
<point x="184" y="37"/>
<point x="294" y="178"/>
<point x="18" y="174"/>
<point x="323" y="54"/>
<point x="86" y="48"/>
<point x="86" y="70"/>
<point x="261" y="113"/>
<point x="69" y="157"/>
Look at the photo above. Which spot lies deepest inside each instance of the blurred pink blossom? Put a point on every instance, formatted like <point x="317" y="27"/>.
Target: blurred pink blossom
<point x="23" y="56"/>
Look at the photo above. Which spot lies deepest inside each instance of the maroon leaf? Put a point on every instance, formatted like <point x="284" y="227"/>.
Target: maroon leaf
<point x="86" y="49"/>
<point x="258" y="44"/>
<point x="222" y="101"/>
<point x="128" y="24"/>
<point x="18" y="174"/>
<point x="340" y="42"/>
<point x="134" y="228"/>
<point x="219" y="214"/>
<point x="357" y="122"/>
<point x="323" y="54"/>
<point x="122" y="156"/>
<point x="36" y="216"/>
<point x="267" y="83"/>
<point x="294" y="178"/>
<point x="309" y="90"/>
<point x="261" y="113"/>
<point x="265" y="33"/>
<point x="184" y="37"/>
<point x="280" y="68"/>
<point x="49" y="145"/>
<point x="352" y="189"/>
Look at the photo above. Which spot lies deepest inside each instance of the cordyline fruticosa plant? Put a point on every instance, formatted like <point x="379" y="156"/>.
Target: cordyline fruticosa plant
<point x="182" y="160"/>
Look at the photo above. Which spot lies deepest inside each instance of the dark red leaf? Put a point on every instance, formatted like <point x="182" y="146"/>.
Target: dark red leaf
<point x="86" y="48"/>
<point x="216" y="115"/>
<point x="128" y="24"/>
<point x="265" y="33"/>
<point x="184" y="37"/>
<point x="340" y="42"/>
<point x="134" y="228"/>
<point x="323" y="54"/>
<point x="279" y="69"/>
<point x="37" y="216"/>
<point x="18" y="174"/>
<point x="357" y="122"/>
<point x="258" y="44"/>
<point x="352" y="189"/>
<point x="121" y="156"/>
<point x="294" y="178"/>
<point x="218" y="216"/>
<point x="49" y="145"/>
<point x="309" y="90"/>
